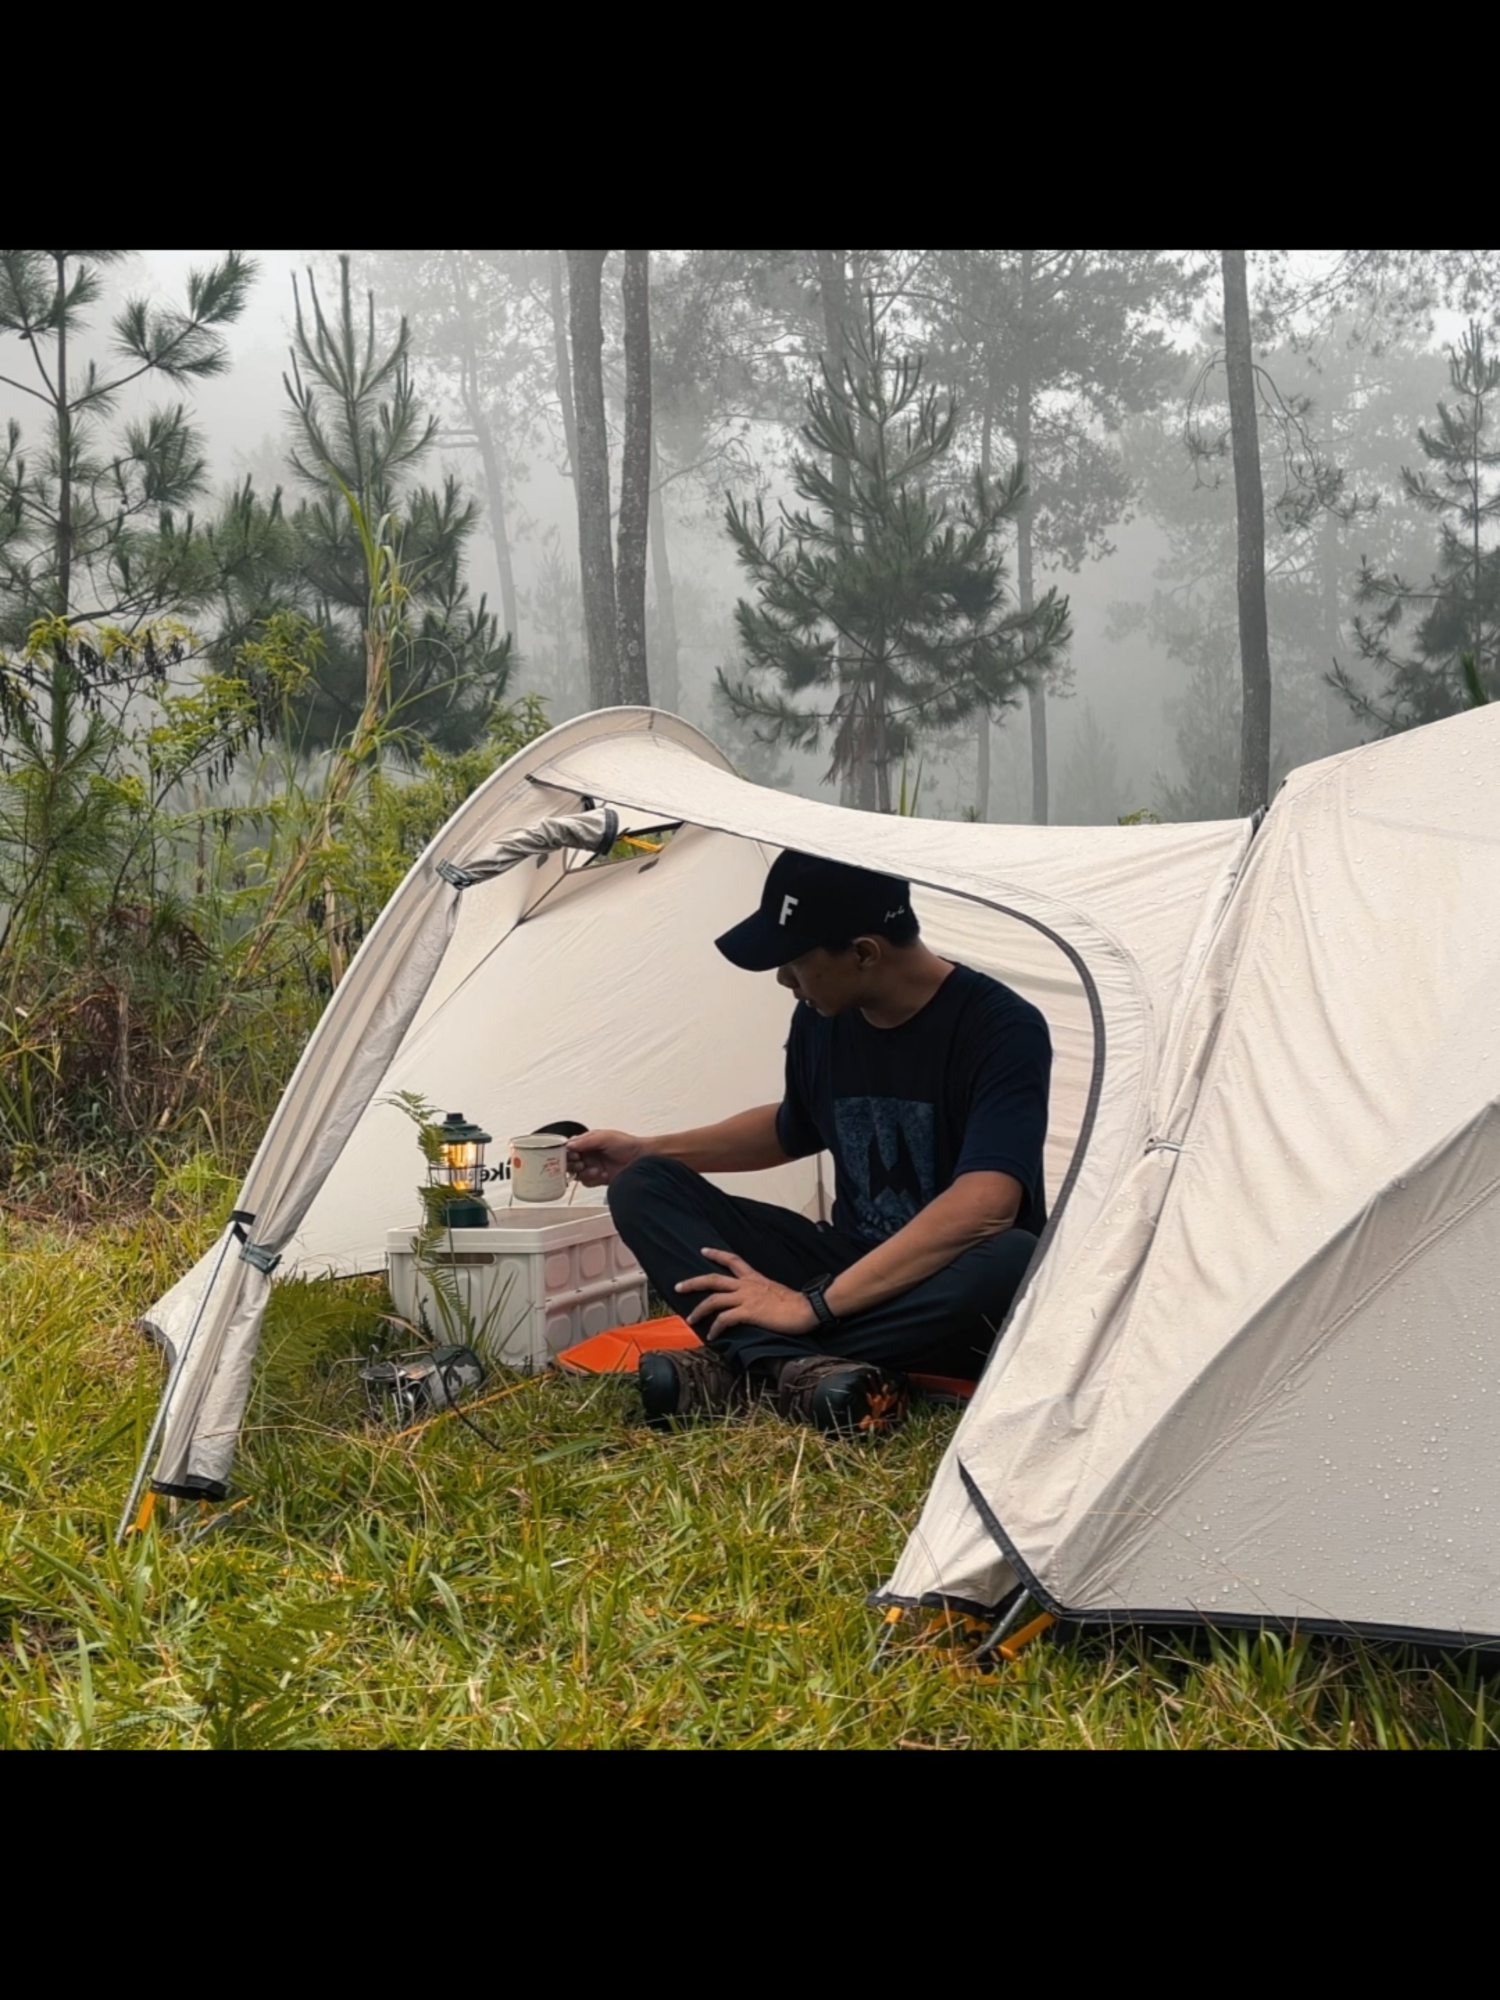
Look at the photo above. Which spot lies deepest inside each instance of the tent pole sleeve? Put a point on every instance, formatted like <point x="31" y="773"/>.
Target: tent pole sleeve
<point x="153" y="1436"/>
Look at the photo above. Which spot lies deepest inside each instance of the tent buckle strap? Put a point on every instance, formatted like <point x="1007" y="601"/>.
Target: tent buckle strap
<point x="1163" y="1145"/>
<point x="264" y="1260"/>
<point x="459" y="878"/>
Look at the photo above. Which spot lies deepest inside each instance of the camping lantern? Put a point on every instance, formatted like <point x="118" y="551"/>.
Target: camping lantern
<point x="457" y="1172"/>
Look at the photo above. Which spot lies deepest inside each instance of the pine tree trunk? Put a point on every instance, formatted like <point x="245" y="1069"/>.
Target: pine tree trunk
<point x="982" y="766"/>
<point x="635" y="483"/>
<point x="875" y="784"/>
<point x="1036" y="694"/>
<point x="1036" y="699"/>
<point x="1476" y="486"/>
<point x="866" y="789"/>
<point x="668" y="689"/>
<point x="596" y="568"/>
<point x="494" y="493"/>
<point x="880" y="757"/>
<point x="857" y="780"/>
<point x="1250" y="519"/>
<point x="984" y="724"/>
<point x="64" y="446"/>
<point x="560" y="359"/>
<point x="60" y="689"/>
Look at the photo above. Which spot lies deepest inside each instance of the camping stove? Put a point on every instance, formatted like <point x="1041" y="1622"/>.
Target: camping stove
<point x="406" y="1387"/>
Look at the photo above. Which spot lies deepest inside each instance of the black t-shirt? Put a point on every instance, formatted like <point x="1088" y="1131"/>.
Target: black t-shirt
<point x="959" y="1088"/>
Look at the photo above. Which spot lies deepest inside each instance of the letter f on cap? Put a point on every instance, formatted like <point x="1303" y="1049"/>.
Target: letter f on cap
<point x="788" y="904"/>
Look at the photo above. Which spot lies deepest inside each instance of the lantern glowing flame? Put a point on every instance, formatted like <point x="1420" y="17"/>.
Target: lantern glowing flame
<point x="459" y="1171"/>
<point x="463" y="1165"/>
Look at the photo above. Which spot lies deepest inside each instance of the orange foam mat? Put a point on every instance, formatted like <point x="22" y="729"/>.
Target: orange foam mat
<point x="618" y="1352"/>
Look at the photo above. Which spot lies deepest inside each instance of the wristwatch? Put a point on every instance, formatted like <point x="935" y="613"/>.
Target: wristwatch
<point x="813" y="1293"/>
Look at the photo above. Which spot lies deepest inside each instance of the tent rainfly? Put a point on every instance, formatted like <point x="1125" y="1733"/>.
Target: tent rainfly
<point x="1252" y="1377"/>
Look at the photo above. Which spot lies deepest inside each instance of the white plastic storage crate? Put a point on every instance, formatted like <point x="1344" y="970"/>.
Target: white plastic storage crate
<point x="540" y="1280"/>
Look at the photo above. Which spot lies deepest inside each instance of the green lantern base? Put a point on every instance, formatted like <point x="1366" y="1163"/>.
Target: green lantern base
<point x="464" y="1214"/>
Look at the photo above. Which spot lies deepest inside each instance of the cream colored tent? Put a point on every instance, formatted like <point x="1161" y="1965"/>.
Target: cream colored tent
<point x="1252" y="1374"/>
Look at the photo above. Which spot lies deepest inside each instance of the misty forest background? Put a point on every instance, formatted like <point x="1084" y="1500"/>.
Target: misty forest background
<point x="296" y="547"/>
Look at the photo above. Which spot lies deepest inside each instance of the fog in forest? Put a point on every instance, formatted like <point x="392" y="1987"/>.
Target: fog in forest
<point x="1109" y="364"/>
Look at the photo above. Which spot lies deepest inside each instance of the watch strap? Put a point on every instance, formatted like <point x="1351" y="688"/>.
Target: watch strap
<point x="813" y="1293"/>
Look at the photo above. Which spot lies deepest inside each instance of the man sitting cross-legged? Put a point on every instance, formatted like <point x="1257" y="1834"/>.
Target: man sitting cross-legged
<point x="927" y="1083"/>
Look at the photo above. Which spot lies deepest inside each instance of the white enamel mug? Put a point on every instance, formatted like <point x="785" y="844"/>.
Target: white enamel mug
<point x="538" y="1167"/>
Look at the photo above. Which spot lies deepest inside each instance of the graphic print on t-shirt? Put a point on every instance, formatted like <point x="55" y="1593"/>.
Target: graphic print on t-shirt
<point x="887" y="1145"/>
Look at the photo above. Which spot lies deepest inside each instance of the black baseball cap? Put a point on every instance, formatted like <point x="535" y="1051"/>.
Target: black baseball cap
<point x="809" y="902"/>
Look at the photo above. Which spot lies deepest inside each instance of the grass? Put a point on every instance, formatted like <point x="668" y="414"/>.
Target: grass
<point x="589" y="1583"/>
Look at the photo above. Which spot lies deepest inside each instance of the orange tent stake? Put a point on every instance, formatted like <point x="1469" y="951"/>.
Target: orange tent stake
<point x="1016" y="1644"/>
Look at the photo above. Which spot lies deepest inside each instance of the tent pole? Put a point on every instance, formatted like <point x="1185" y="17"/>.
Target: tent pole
<point x="153" y="1436"/>
<point x="1008" y="1620"/>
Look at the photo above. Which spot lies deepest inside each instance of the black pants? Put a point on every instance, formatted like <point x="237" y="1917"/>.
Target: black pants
<point x="944" y="1326"/>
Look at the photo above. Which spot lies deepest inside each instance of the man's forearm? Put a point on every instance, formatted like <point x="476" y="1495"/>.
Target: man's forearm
<point x="976" y="1207"/>
<point x="740" y="1145"/>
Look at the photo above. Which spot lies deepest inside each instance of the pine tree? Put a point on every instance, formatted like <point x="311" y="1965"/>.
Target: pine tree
<point x="1456" y="638"/>
<point x="92" y="524"/>
<point x="882" y="601"/>
<point x="360" y="432"/>
<point x="100" y="558"/>
<point x="96" y="526"/>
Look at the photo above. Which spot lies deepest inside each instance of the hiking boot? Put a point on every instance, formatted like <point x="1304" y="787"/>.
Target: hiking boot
<point x="847" y="1398"/>
<point x="679" y="1383"/>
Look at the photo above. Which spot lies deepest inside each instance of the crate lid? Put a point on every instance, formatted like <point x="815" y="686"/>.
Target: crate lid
<point x="535" y="1226"/>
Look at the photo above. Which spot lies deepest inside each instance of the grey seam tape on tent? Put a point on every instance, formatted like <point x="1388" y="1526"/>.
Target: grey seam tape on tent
<point x="459" y="878"/>
<point x="1006" y="1546"/>
<point x="1091" y="1104"/>
<point x="1085" y="979"/>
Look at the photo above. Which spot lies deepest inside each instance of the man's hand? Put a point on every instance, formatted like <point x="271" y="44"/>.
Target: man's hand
<point x="598" y="1157"/>
<point x="738" y="1296"/>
